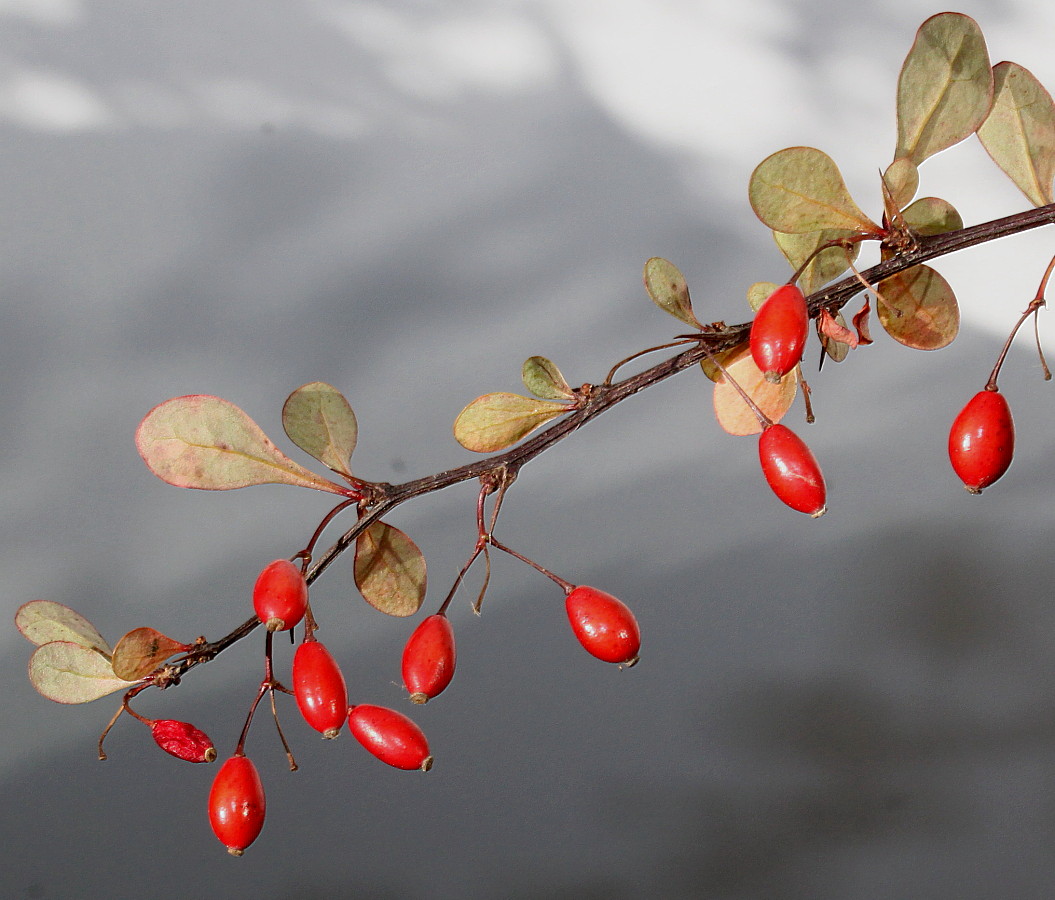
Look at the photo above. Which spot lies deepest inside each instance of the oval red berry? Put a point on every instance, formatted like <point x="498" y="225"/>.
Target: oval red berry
<point x="779" y="332"/>
<point x="982" y="440"/>
<point x="236" y="804"/>
<point x="183" y="740"/>
<point x="429" y="658"/>
<point x="280" y="595"/>
<point x="319" y="688"/>
<point x="391" y="736"/>
<point x="604" y="625"/>
<point x="792" y="471"/>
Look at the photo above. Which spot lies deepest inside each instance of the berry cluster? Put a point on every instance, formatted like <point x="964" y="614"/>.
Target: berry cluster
<point x="604" y="626"/>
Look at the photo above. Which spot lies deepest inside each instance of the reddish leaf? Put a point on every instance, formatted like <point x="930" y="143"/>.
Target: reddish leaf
<point x="203" y="442"/>
<point x="141" y="651"/>
<point x="834" y="329"/>
<point x="861" y="324"/>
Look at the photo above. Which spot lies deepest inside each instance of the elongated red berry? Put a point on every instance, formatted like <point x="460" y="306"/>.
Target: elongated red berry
<point x="236" y="804"/>
<point x="429" y="658"/>
<point x="319" y="688"/>
<point x="183" y="740"/>
<point x="390" y="736"/>
<point x="792" y="471"/>
<point x="779" y="331"/>
<point x="982" y="440"/>
<point x="604" y="625"/>
<point x="280" y="596"/>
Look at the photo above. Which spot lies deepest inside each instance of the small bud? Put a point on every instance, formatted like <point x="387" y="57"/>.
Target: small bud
<point x="183" y="740"/>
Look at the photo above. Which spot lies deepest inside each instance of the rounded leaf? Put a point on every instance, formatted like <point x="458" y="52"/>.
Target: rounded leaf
<point x="735" y="416"/>
<point x="496" y="421"/>
<point x="67" y="672"/>
<point x="932" y="215"/>
<point x="801" y="189"/>
<point x="319" y="420"/>
<point x="44" y="621"/>
<point x="667" y="288"/>
<point x="203" y="442"/>
<point x="544" y="379"/>
<point x="945" y="88"/>
<point x="141" y="651"/>
<point x="389" y="570"/>
<point x="918" y="309"/>
<point x="1019" y="133"/>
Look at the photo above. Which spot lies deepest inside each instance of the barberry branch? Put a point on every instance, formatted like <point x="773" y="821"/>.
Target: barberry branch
<point x="597" y="399"/>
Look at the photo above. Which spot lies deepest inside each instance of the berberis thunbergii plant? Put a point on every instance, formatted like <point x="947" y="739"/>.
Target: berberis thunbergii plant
<point x="947" y="91"/>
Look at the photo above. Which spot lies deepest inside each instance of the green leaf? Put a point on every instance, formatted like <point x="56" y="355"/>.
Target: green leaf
<point x="141" y="651"/>
<point x="932" y="215"/>
<point x="389" y="570"/>
<point x="918" y="309"/>
<point x="902" y="180"/>
<point x="945" y="87"/>
<point x="825" y="266"/>
<point x="203" y="442"/>
<point x="496" y="421"/>
<point x="544" y="379"/>
<point x="801" y="189"/>
<point x="319" y="420"/>
<point x="667" y="288"/>
<point x="67" y="672"/>
<point x="43" y="621"/>
<point x="1020" y="132"/>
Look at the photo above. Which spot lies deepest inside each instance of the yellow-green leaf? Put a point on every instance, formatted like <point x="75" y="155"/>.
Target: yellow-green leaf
<point x="44" y="621"/>
<point x="667" y="288"/>
<point x="67" y="672"/>
<point x="759" y="293"/>
<point x="945" y="87"/>
<point x="319" y="420"/>
<point x="825" y="266"/>
<point x="203" y="442"/>
<point x="733" y="414"/>
<point x="932" y="215"/>
<point x="918" y="308"/>
<point x="1020" y="132"/>
<point x="800" y="189"/>
<point x="496" y="421"/>
<point x="544" y="379"/>
<point x="389" y="570"/>
<point x="141" y="651"/>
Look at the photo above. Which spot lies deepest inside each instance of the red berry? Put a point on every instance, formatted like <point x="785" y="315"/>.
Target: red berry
<point x="604" y="625"/>
<point x="390" y="736"/>
<point x="982" y="440"/>
<point x="280" y="596"/>
<point x="183" y="740"/>
<point x="319" y="688"/>
<point x="236" y="804"/>
<point x="428" y="658"/>
<point x="779" y="331"/>
<point x="791" y="470"/>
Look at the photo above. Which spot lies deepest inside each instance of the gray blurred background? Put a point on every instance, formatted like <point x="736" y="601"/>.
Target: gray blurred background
<point x="406" y="200"/>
